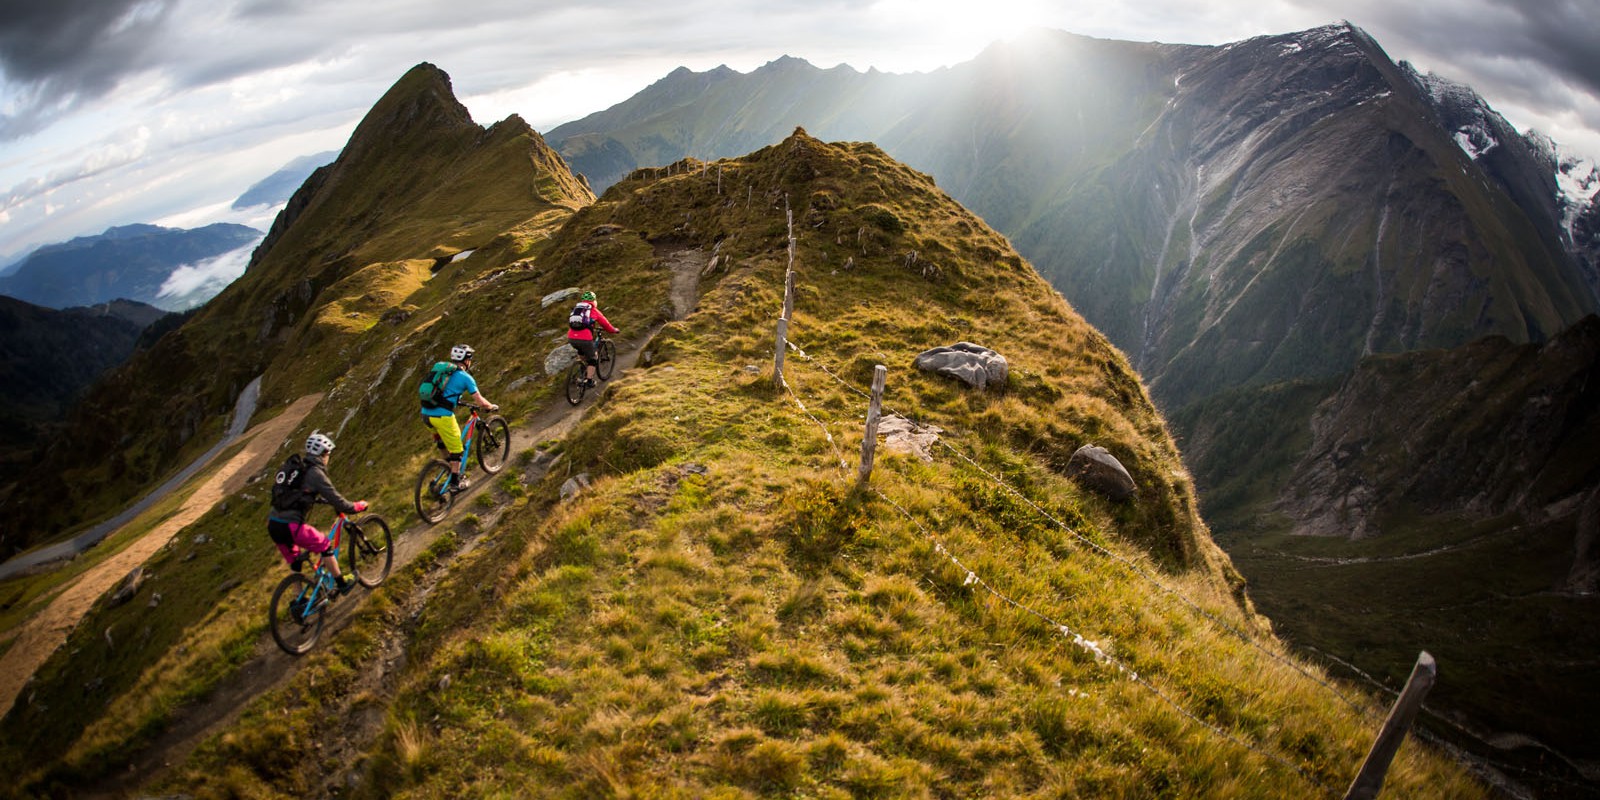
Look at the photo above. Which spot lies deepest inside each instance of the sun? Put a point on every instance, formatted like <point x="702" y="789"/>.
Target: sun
<point x="962" y="27"/>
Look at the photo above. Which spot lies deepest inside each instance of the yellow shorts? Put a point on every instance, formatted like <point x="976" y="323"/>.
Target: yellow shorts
<point x="448" y="430"/>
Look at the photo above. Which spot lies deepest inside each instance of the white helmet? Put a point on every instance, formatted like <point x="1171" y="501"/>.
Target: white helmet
<point x="461" y="352"/>
<point x="318" y="444"/>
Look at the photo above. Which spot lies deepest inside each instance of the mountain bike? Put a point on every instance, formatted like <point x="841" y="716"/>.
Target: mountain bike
<point x="299" y="605"/>
<point x="577" y="383"/>
<point x="491" y="435"/>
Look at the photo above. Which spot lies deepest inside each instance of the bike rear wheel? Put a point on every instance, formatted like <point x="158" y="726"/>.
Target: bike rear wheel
<point x="433" y="495"/>
<point x="575" y="387"/>
<point x="494" y="444"/>
<point x="607" y="353"/>
<point x="294" y="628"/>
<point x="371" y="550"/>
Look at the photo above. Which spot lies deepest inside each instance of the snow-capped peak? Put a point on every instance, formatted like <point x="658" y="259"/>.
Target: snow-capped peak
<point x="1577" y="177"/>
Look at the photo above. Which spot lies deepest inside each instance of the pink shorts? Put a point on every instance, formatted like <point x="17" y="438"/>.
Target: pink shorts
<point x="303" y="536"/>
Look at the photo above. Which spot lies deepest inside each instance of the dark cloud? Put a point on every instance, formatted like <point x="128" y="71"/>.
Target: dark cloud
<point x="1564" y="34"/>
<point x="56" y="55"/>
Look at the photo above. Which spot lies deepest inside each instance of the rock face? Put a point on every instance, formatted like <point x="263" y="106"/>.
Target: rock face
<point x="1096" y="469"/>
<point x="971" y="364"/>
<point x="1491" y="428"/>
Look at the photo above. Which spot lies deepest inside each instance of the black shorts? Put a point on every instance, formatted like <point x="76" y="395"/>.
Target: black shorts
<point x="586" y="350"/>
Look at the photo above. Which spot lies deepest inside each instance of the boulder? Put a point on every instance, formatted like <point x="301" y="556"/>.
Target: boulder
<point x="1097" y="470"/>
<point x="130" y="587"/>
<point x="972" y="364"/>
<point x="559" y="359"/>
<point x="557" y="296"/>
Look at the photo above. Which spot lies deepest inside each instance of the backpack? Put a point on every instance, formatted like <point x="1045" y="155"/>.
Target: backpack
<point x="288" y="493"/>
<point x="582" y="317"/>
<point x="431" y="392"/>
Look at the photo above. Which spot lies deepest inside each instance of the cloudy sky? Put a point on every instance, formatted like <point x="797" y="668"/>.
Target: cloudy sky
<point x="164" y="111"/>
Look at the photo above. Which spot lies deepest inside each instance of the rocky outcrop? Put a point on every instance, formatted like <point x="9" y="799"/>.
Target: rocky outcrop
<point x="1489" y="429"/>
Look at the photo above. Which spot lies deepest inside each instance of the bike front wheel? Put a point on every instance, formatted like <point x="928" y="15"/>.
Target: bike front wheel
<point x="607" y="353"/>
<point x="294" y="626"/>
<point x="433" y="491"/>
<point x="575" y="387"/>
<point x="494" y="444"/>
<point x="371" y="550"/>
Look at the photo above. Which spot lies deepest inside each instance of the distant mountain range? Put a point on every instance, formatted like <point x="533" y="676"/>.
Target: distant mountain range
<point x="1266" y="210"/>
<point x="279" y="186"/>
<point x="128" y="262"/>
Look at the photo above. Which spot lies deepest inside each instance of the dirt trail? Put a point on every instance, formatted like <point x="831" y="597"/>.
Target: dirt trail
<point x="47" y="630"/>
<point x="268" y="667"/>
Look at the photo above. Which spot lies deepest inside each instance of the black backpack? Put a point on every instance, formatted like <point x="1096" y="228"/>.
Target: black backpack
<point x="288" y="492"/>
<point x="431" y="392"/>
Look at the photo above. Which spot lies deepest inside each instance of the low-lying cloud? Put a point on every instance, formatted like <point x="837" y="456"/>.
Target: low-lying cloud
<point x="192" y="284"/>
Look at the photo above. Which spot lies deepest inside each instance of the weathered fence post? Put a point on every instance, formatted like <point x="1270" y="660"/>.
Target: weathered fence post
<point x="1370" y="779"/>
<point x="788" y="306"/>
<point x="869" y="445"/>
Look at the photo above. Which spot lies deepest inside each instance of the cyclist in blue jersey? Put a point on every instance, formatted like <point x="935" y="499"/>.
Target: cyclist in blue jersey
<point x="442" y="421"/>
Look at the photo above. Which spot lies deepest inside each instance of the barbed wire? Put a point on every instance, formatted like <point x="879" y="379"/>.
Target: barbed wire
<point x="1099" y="653"/>
<point x="1097" y="547"/>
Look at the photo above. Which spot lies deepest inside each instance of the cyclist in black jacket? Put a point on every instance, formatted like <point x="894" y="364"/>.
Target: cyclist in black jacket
<point x="299" y="485"/>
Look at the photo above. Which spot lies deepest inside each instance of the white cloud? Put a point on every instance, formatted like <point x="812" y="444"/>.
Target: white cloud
<point x="192" y="284"/>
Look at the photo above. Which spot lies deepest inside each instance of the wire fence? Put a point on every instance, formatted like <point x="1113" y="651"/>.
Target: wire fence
<point x="972" y="579"/>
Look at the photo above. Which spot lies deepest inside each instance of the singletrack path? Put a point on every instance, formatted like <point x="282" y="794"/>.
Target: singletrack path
<point x="269" y="667"/>
<point x="47" y="630"/>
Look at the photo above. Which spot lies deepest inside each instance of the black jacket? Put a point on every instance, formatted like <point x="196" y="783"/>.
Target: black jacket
<point x="315" y="485"/>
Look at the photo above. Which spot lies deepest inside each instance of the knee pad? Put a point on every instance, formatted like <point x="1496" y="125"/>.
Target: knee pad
<point x="454" y="456"/>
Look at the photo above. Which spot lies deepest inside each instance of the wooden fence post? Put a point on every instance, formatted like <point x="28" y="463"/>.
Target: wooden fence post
<point x="869" y="445"/>
<point x="788" y="306"/>
<point x="777" y="356"/>
<point x="1370" y="779"/>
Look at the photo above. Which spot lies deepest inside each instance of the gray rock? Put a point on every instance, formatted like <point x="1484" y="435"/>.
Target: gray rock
<point x="559" y="359"/>
<point x="129" y="588"/>
<point x="557" y="296"/>
<point x="971" y="364"/>
<point x="1098" y="470"/>
<point x="901" y="435"/>
<point x="574" y="484"/>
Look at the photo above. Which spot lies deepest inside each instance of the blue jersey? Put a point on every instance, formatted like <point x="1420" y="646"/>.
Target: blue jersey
<point x="460" y="384"/>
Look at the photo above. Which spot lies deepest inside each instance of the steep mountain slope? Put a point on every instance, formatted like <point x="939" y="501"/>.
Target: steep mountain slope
<point x="1465" y="523"/>
<point x="720" y="613"/>
<point x="361" y="236"/>
<point x="1267" y="210"/>
<point x="127" y="262"/>
<point x="47" y="359"/>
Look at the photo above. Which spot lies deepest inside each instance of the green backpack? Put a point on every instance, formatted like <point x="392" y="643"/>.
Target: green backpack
<point x="431" y="391"/>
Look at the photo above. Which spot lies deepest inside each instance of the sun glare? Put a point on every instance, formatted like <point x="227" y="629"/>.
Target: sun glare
<point x="963" y="28"/>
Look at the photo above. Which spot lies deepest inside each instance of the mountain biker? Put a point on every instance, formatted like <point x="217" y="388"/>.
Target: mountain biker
<point x="446" y="430"/>
<point x="300" y="484"/>
<point x="580" y="332"/>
